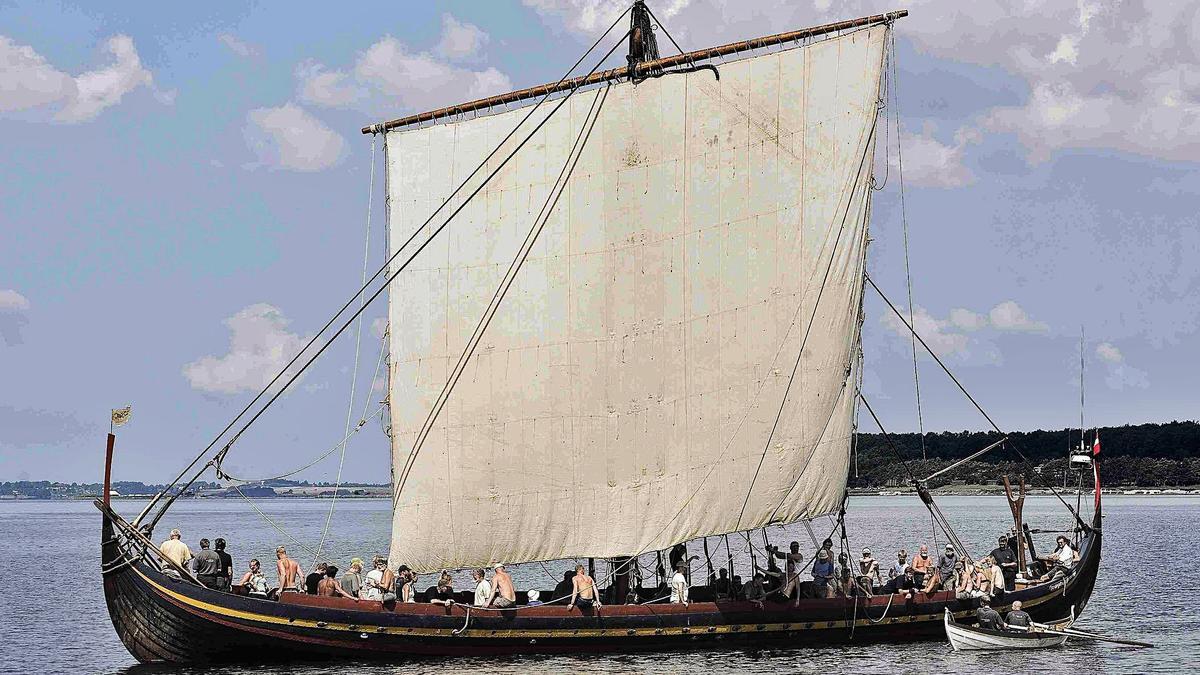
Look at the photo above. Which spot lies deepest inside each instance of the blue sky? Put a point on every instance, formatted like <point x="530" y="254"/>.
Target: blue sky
<point x="184" y="191"/>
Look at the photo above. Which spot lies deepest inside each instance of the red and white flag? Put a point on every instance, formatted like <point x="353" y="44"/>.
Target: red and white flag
<point x="1096" y="445"/>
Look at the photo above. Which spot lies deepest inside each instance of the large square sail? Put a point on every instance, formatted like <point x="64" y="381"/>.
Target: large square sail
<point x="677" y="356"/>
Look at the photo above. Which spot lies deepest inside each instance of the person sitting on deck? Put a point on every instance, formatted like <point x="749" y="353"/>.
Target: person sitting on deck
<point x="583" y="590"/>
<point x="503" y="594"/>
<point x="922" y="566"/>
<point x="175" y="550"/>
<point x="288" y="571"/>
<point x="329" y="587"/>
<point x="1065" y="555"/>
<point x="313" y="580"/>
<point x="406" y="584"/>
<point x="897" y="569"/>
<point x="444" y="595"/>
<point x="868" y="572"/>
<point x="1006" y="560"/>
<point x="822" y="574"/>
<point x="352" y="580"/>
<point x="988" y="617"/>
<point x="254" y="581"/>
<point x="483" y="590"/>
<point x="792" y="568"/>
<point x="971" y="581"/>
<point x="722" y="586"/>
<point x="993" y="577"/>
<point x="904" y="584"/>
<point x="207" y="566"/>
<point x="737" y="586"/>
<point x="226" y="575"/>
<point x="533" y="596"/>
<point x="679" y="585"/>
<point x="1018" y="618"/>
<point x="754" y="591"/>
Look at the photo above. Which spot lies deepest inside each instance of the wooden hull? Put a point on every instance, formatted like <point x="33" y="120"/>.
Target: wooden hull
<point x="164" y="620"/>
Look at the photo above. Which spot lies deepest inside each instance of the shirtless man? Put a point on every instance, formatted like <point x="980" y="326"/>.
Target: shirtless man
<point x="288" y="571"/>
<point x="329" y="587"/>
<point x="503" y="594"/>
<point x="583" y="592"/>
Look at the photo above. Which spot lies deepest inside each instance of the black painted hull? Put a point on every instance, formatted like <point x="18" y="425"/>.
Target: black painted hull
<point x="165" y="620"/>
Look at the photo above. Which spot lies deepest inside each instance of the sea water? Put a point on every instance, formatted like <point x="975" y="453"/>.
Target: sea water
<point x="53" y="603"/>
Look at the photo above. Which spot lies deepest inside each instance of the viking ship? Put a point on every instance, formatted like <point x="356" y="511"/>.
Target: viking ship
<point x="624" y="314"/>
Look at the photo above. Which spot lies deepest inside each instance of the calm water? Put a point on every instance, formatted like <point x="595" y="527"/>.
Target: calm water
<point x="57" y="621"/>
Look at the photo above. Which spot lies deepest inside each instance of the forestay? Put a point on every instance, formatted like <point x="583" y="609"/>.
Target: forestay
<point x="625" y="392"/>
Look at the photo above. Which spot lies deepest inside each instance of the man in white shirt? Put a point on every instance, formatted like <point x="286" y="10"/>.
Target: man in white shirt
<point x="483" y="590"/>
<point x="175" y="550"/>
<point x="679" y="585"/>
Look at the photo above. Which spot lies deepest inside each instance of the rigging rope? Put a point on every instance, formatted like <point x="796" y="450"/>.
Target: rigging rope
<point x="357" y="350"/>
<point x="970" y="398"/>
<point x="895" y="91"/>
<point x="382" y="270"/>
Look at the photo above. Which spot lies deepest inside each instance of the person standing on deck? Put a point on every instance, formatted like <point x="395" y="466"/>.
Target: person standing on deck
<point x="352" y="579"/>
<point x="288" y="571"/>
<point x="822" y="573"/>
<point x="946" y="569"/>
<point x="1006" y="560"/>
<point x="207" y="566"/>
<point x="226" y="564"/>
<point x="901" y="565"/>
<point x="503" y="594"/>
<point x="175" y="550"/>
<point x="678" y="555"/>
<point x="679" y="586"/>
<point x="583" y="590"/>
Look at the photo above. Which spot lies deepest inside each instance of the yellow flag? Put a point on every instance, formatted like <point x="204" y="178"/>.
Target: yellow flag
<point x="121" y="415"/>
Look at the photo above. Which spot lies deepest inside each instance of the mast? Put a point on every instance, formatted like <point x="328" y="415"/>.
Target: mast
<point x="635" y="70"/>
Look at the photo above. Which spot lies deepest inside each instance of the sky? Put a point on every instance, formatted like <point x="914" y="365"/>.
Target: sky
<point x="185" y="195"/>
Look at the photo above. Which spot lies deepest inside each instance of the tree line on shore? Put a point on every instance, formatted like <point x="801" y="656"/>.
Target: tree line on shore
<point x="1143" y="455"/>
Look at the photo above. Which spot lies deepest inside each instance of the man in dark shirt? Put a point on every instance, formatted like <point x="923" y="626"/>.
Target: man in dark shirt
<point x="988" y="617"/>
<point x="207" y="566"/>
<point x="1018" y="617"/>
<point x="226" y="575"/>
<point x="1007" y="560"/>
<point x="312" y="582"/>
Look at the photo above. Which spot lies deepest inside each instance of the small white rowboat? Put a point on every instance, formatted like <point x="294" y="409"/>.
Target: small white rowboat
<point x="963" y="637"/>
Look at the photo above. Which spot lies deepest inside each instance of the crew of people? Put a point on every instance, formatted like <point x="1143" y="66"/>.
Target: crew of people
<point x="985" y="580"/>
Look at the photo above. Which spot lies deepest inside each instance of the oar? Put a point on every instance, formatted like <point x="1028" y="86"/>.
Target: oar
<point x="1100" y="638"/>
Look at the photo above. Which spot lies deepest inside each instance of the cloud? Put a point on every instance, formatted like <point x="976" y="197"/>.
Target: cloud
<point x="259" y="347"/>
<point x="389" y="75"/>
<point x="11" y="300"/>
<point x="1108" y="353"/>
<point x="1008" y="315"/>
<point x="930" y="163"/>
<point x="329" y="88"/>
<point x="290" y="138"/>
<point x="592" y="16"/>
<point x="936" y="333"/>
<point x="460" y="39"/>
<point x="421" y="79"/>
<point x="13" y="306"/>
<point x="965" y="319"/>
<point x="30" y="82"/>
<point x="1118" y="374"/>
<point x="242" y="49"/>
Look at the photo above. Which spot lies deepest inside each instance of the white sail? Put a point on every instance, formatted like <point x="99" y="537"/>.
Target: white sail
<point x="626" y="395"/>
